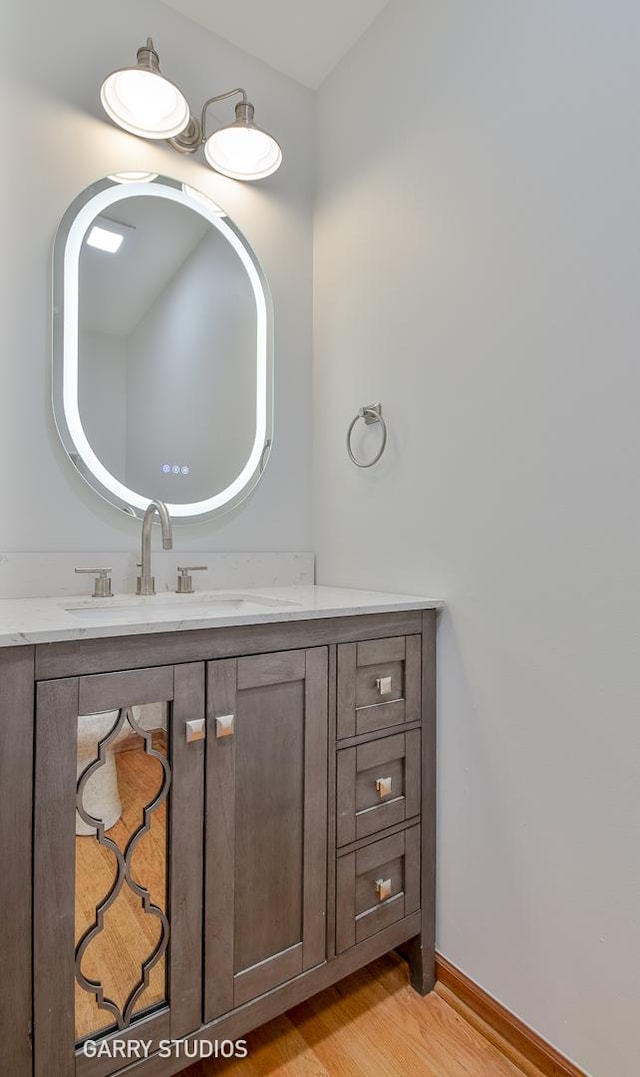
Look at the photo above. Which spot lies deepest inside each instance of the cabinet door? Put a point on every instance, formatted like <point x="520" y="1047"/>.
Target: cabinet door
<point x="266" y="823"/>
<point x="119" y="791"/>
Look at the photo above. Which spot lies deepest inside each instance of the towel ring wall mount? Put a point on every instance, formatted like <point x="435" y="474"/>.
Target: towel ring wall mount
<point x="371" y="413"/>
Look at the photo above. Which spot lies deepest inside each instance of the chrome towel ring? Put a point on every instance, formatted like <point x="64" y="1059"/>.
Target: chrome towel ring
<point x="372" y="413"/>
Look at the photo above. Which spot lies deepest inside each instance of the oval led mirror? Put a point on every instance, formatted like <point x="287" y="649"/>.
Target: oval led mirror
<point x="163" y="348"/>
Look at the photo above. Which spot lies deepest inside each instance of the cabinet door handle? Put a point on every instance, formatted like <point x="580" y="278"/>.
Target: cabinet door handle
<point x="196" y="730"/>
<point x="383" y="785"/>
<point x="225" y="725"/>
<point x="383" y="886"/>
<point x="384" y="686"/>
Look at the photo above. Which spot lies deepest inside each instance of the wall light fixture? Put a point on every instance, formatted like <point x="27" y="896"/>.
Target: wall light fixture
<point x="143" y="101"/>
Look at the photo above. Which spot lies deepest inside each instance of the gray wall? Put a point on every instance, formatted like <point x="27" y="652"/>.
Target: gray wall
<point x="62" y="143"/>
<point x="478" y="270"/>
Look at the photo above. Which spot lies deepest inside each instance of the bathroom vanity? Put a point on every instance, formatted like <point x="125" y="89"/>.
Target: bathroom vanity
<point x="214" y="804"/>
<point x="273" y="763"/>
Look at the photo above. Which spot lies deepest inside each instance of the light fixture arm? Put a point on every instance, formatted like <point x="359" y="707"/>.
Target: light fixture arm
<point x="194" y="135"/>
<point x="220" y="97"/>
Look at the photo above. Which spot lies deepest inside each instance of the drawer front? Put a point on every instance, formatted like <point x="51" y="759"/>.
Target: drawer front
<point x="376" y="886"/>
<point x="378" y="785"/>
<point x="378" y="684"/>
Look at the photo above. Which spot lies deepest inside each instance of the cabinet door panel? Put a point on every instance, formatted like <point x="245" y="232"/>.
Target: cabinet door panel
<point x="266" y="829"/>
<point x="269" y="822"/>
<point x="118" y="856"/>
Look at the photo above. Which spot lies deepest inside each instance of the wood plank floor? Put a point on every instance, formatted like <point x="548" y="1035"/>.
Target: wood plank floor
<point x="370" y="1024"/>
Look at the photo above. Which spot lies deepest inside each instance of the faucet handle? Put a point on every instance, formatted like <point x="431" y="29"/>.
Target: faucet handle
<point x="102" y="582"/>
<point x="185" y="582"/>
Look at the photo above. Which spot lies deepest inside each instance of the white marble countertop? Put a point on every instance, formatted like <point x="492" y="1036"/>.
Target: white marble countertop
<point x="48" y="620"/>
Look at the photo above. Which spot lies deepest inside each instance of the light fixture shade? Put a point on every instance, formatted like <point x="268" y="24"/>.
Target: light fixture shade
<point x="142" y="101"/>
<point x="243" y="151"/>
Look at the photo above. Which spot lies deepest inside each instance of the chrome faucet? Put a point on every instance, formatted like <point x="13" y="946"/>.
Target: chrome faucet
<point x="146" y="584"/>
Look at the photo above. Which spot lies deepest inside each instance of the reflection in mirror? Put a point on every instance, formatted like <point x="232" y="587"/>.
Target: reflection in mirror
<point x="121" y="926"/>
<point x="166" y="363"/>
<point x="162" y="348"/>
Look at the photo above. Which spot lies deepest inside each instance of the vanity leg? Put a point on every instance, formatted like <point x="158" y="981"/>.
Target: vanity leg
<point x="422" y="964"/>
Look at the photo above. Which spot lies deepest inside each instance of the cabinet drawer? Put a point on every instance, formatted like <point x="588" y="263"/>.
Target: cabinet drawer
<point x="378" y="785"/>
<point x="376" y="886"/>
<point x="378" y="684"/>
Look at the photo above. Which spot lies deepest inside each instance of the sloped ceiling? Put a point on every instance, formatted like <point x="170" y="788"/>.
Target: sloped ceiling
<point x="116" y="290"/>
<point x="303" y="39"/>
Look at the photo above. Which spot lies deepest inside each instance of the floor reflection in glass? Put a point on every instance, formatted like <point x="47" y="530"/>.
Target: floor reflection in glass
<point x="129" y="780"/>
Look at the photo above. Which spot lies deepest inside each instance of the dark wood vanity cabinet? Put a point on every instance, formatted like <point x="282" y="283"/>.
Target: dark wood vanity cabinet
<point x="207" y="827"/>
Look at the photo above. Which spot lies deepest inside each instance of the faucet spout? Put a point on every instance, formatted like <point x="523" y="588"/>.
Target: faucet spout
<point x="165" y="524"/>
<point x="146" y="584"/>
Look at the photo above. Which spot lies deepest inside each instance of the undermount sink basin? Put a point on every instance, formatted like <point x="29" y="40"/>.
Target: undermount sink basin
<point x="180" y="606"/>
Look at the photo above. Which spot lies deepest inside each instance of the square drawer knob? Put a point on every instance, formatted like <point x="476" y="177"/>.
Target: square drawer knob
<point x="383" y="886"/>
<point x="384" y="686"/>
<point x="195" y="730"/>
<point x="225" y="725"/>
<point x="383" y="785"/>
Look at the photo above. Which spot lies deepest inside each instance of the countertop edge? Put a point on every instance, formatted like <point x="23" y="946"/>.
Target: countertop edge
<point x="40" y="636"/>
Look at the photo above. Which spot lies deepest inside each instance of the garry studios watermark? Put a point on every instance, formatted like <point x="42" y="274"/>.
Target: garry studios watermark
<point x="192" y="1050"/>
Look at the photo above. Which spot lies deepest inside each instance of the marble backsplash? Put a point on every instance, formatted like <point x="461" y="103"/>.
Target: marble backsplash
<point x="34" y="575"/>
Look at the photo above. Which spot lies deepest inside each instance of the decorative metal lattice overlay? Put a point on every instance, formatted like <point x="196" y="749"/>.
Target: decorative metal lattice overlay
<point x="122" y="1012"/>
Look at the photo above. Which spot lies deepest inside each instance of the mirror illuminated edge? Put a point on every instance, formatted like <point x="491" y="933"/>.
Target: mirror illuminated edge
<point x="65" y="332"/>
